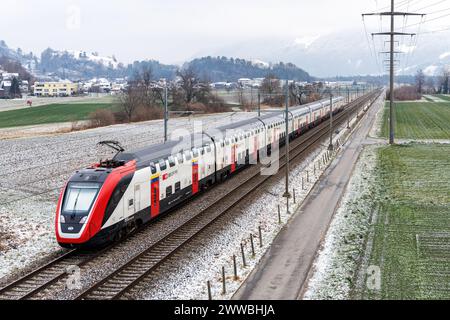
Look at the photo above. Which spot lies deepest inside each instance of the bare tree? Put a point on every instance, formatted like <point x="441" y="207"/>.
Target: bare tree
<point x="270" y="85"/>
<point x="420" y="81"/>
<point x="430" y="85"/>
<point x="142" y="85"/>
<point x="296" y="93"/>
<point x="444" y="80"/>
<point x="189" y="82"/>
<point x="131" y="100"/>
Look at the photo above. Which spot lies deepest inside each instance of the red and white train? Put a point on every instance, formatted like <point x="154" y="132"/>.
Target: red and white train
<point x="109" y="199"/>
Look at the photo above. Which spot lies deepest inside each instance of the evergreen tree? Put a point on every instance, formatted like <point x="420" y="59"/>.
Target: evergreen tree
<point x="14" y="91"/>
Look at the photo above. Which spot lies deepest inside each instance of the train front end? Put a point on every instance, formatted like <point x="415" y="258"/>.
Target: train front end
<point x="80" y="213"/>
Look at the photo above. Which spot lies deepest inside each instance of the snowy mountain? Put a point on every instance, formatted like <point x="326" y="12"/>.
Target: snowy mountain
<point x="342" y="53"/>
<point x="29" y="61"/>
<point x="93" y="57"/>
<point x="231" y="69"/>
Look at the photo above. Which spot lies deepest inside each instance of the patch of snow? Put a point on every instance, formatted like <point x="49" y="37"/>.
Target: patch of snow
<point x="306" y="41"/>
<point x="94" y="57"/>
<point x="423" y="141"/>
<point x="260" y="63"/>
<point x="335" y="269"/>
<point x="434" y="98"/>
<point x="375" y="131"/>
<point x="444" y="55"/>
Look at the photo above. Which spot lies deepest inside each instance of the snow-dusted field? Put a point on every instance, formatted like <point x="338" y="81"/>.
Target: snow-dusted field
<point x="33" y="170"/>
<point x="36" y="168"/>
<point x="337" y="262"/>
<point x="434" y="98"/>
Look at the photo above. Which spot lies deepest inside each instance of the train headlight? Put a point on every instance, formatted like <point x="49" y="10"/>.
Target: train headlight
<point x="83" y="220"/>
<point x="62" y="219"/>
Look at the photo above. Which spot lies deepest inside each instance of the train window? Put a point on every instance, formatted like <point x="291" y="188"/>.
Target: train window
<point x="162" y="164"/>
<point x="153" y="168"/>
<point x="177" y="187"/>
<point x="168" y="191"/>
<point x="180" y="158"/>
<point x="172" y="162"/>
<point x="195" y="152"/>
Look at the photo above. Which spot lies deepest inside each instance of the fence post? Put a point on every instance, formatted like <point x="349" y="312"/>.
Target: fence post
<point x="243" y="255"/>
<point x="224" y="286"/>
<point x="252" y="244"/>
<point x="260" y="237"/>
<point x="279" y="215"/>
<point x="209" y="290"/>
<point x="235" y="267"/>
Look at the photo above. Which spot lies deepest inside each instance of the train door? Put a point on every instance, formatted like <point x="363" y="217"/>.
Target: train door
<point x="128" y="205"/>
<point x="137" y="198"/>
<point x="195" y="174"/>
<point x="255" y="147"/>
<point x="154" y="193"/>
<point x="233" y="157"/>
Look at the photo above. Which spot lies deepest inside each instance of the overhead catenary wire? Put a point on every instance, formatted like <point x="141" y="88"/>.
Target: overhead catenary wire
<point x="428" y="20"/>
<point x="431" y="5"/>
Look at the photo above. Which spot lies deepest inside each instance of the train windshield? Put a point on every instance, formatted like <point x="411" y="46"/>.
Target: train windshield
<point x="79" y="197"/>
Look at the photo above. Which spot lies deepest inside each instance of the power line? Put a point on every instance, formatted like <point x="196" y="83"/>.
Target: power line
<point x="373" y="54"/>
<point x="436" y="31"/>
<point x="431" y="5"/>
<point x="401" y="3"/>
<point x="437" y="11"/>
<point x="429" y="20"/>
<point x="392" y="13"/>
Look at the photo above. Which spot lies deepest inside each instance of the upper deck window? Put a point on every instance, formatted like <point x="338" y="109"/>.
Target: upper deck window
<point x="162" y="164"/>
<point x="172" y="162"/>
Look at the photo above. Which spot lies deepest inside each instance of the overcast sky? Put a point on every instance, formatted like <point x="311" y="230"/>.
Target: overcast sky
<point x="171" y="31"/>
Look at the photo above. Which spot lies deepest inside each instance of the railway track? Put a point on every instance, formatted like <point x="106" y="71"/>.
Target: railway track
<point x="42" y="277"/>
<point x="124" y="279"/>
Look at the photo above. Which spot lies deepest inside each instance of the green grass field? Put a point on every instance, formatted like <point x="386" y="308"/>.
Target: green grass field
<point x="419" y="120"/>
<point x="411" y="242"/>
<point x="52" y="113"/>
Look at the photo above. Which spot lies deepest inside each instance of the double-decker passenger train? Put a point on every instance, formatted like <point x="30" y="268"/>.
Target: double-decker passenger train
<point x="104" y="202"/>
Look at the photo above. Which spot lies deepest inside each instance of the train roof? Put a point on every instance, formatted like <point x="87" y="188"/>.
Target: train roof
<point x="159" y="151"/>
<point x="154" y="153"/>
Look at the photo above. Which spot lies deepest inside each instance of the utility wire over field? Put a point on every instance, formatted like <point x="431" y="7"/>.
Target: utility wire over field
<point x="392" y="33"/>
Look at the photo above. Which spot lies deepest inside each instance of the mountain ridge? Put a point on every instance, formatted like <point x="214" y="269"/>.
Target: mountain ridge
<point x="82" y="65"/>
